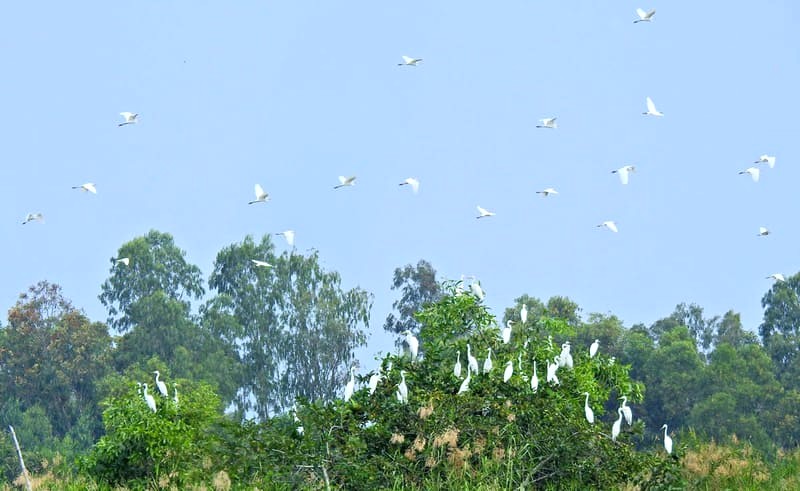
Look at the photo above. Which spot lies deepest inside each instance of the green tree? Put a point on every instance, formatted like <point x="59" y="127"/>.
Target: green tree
<point x="780" y="329"/>
<point x="418" y="287"/>
<point x="293" y="324"/>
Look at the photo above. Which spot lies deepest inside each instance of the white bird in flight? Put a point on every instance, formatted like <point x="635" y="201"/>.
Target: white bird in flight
<point x="753" y="171"/>
<point x="345" y="181"/>
<point x="776" y="277"/>
<point x="609" y="224"/>
<point x="483" y="212"/>
<point x="766" y="159"/>
<point x="87" y="188"/>
<point x="624" y="172"/>
<point x="763" y="231"/>
<point x="414" y="183"/>
<point x="651" y="108"/>
<point x="288" y="235"/>
<point x="547" y="192"/>
<point x="123" y="260"/>
<point x="409" y="61"/>
<point x="130" y="118"/>
<point x="261" y="264"/>
<point x="261" y="195"/>
<point x="548" y="123"/>
<point x="644" y="16"/>
<point x="33" y="217"/>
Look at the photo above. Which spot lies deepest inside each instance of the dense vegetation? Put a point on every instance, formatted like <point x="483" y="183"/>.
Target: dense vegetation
<point x="259" y="357"/>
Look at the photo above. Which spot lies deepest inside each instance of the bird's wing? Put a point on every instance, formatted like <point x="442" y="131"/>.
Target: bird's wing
<point x="407" y="59"/>
<point x="482" y="211"/>
<point x="641" y="13"/>
<point x="414" y="185"/>
<point x="755" y="172"/>
<point x="342" y="180"/>
<point x="612" y="226"/>
<point x="651" y="13"/>
<point x="259" y="191"/>
<point x="651" y="107"/>
<point x="623" y="175"/>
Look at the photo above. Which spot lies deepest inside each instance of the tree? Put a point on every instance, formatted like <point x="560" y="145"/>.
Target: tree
<point x="780" y="330"/>
<point x="155" y="265"/>
<point x="729" y="330"/>
<point x="294" y="326"/>
<point x="419" y="288"/>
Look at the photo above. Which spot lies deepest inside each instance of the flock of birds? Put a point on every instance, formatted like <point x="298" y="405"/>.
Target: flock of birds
<point x="162" y="389"/>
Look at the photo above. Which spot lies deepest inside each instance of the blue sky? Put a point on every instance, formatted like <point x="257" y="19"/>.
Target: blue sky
<point x="293" y="94"/>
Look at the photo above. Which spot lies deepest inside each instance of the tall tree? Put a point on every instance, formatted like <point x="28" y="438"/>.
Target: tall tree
<point x="418" y="288"/>
<point x="294" y="326"/>
<point x="780" y="329"/>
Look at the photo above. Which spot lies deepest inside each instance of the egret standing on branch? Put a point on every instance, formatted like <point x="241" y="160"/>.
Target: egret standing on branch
<point x="162" y="387"/>
<point x="626" y="411"/>
<point x="472" y="362"/>
<point x="487" y="365"/>
<point x="413" y="344"/>
<point x="505" y="334"/>
<point x="593" y="348"/>
<point x="402" y="388"/>
<point x="615" y="429"/>
<point x="534" y="378"/>
<point x="509" y="371"/>
<point x="523" y="314"/>
<point x="587" y="410"/>
<point x="465" y="384"/>
<point x="150" y="400"/>
<point x="667" y="440"/>
<point x="457" y="366"/>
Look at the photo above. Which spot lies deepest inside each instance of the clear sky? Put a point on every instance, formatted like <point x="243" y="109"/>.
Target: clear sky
<point x="293" y="94"/>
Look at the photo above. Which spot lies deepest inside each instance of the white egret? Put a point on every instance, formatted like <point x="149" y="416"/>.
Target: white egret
<point x="86" y="188"/>
<point x="547" y="192"/>
<point x="644" y="16"/>
<point x="262" y="264"/>
<point x="626" y="411"/>
<point x="593" y="348"/>
<point x="506" y="332"/>
<point x="457" y="366"/>
<point x="776" y="277"/>
<point x="548" y="123"/>
<point x="617" y="426"/>
<point x="465" y="384"/>
<point x="123" y="260"/>
<point x="300" y="429"/>
<point x="130" y="118"/>
<point x="345" y="181"/>
<point x="487" y="364"/>
<point x="753" y="171"/>
<point x="534" y="379"/>
<point x="763" y="231"/>
<point x="587" y="410"/>
<point x="351" y="385"/>
<point x="509" y="371"/>
<point x="609" y="224"/>
<point x="551" y="372"/>
<point x="374" y="379"/>
<point x="766" y="159"/>
<point x="149" y="399"/>
<point x="413" y="344"/>
<point x="162" y="387"/>
<point x="288" y="235"/>
<point x="414" y="183"/>
<point x="523" y="314"/>
<point x="483" y="212"/>
<point x="402" y="388"/>
<point x="472" y="362"/>
<point x="33" y="217"/>
<point x="667" y="440"/>
<point x="565" y="358"/>
<point x="624" y="172"/>
<point x="261" y="195"/>
<point x="475" y="288"/>
<point x="409" y="61"/>
<point x="651" y="108"/>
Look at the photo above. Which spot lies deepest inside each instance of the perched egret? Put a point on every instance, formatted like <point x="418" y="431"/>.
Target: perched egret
<point x="534" y="379"/>
<point x="523" y="314"/>
<point x="483" y="212"/>
<point x="374" y="379"/>
<point x="472" y="362"/>
<point x="644" y="16"/>
<point x="33" y="217"/>
<point x="667" y="440"/>
<point x="776" y="277"/>
<point x="506" y="332"/>
<point x="487" y="365"/>
<point x="465" y="384"/>
<point x="651" y="108"/>
<point x="587" y="410"/>
<point x="623" y="172"/>
<point x="345" y="181"/>
<point x="175" y="393"/>
<point x="402" y="388"/>
<point x="547" y="192"/>
<point x="300" y="429"/>
<point x="763" y="231"/>
<point x="565" y="358"/>
<point x="475" y="288"/>
<point x="87" y="188"/>
<point x="262" y="264"/>
<point x="162" y="387"/>
<point x="509" y="371"/>
<point x="123" y="260"/>
<point x="753" y="171"/>
<point x="617" y="426"/>
<point x="130" y="118"/>
<point x="551" y="372"/>
<point x="409" y="61"/>
<point x="457" y="366"/>
<point x="149" y="399"/>
<point x="548" y="123"/>
<point x="766" y="159"/>
<point x="351" y="385"/>
<point x="414" y="183"/>
<point x="288" y="235"/>
<point x="413" y="344"/>
<point x="593" y="348"/>
<point x="261" y="195"/>
<point x="609" y="224"/>
<point x="626" y="411"/>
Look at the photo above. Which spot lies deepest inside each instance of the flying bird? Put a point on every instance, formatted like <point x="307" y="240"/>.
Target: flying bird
<point x="644" y="16"/>
<point x="288" y="235"/>
<point x="753" y="171"/>
<point x="409" y="61"/>
<point x="345" y="181"/>
<point x="609" y="224"/>
<point x="87" y="188"/>
<point x="651" y="108"/>
<point x="623" y="173"/>
<point x="261" y="195"/>
<point x="130" y="118"/>
<point x="777" y="277"/>
<point x="33" y="217"/>
<point x="483" y="212"/>
<point x="766" y="159"/>
<point x="763" y="231"/>
<point x="414" y="183"/>
<point x="262" y="264"/>
<point x="548" y="123"/>
<point x="547" y="192"/>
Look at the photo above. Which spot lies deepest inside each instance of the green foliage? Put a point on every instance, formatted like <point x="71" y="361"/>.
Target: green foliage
<point x="419" y="288"/>
<point x="780" y="331"/>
